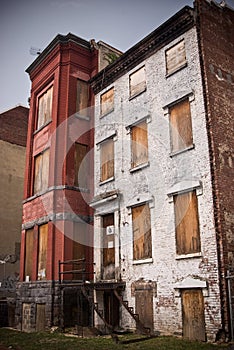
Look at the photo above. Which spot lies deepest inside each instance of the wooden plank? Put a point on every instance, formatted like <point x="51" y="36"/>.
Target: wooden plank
<point x="45" y="169"/>
<point x="81" y="166"/>
<point x="137" y="82"/>
<point x="40" y="317"/>
<point x="187" y="223"/>
<point x="107" y="159"/>
<point x="181" y="126"/>
<point x="107" y="101"/>
<point x="144" y="307"/>
<point x="139" y="144"/>
<point x="42" y="253"/>
<point x="142" y="242"/>
<point x="82" y="97"/>
<point x="193" y="314"/>
<point x="37" y="173"/>
<point x="29" y="239"/>
<point x="175" y="57"/>
<point x="45" y="108"/>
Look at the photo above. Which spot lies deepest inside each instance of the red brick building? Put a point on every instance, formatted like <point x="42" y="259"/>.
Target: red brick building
<point x="57" y="221"/>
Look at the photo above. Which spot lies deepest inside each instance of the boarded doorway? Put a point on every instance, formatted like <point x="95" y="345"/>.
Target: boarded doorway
<point x="108" y="259"/>
<point x="144" y="306"/>
<point x="193" y="314"/>
<point x="111" y="309"/>
<point x="40" y="317"/>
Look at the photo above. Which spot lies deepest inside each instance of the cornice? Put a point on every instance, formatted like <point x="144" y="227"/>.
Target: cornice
<point x="168" y="31"/>
<point x="58" y="40"/>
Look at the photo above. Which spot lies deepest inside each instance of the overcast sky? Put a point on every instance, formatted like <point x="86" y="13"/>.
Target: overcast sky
<point x="32" y="23"/>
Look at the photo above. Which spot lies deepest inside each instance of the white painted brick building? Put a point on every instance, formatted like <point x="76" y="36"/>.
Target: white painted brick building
<point x="173" y="287"/>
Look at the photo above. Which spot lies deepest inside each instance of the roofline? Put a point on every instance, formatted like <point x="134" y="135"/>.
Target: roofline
<point x="59" y="39"/>
<point x="165" y="33"/>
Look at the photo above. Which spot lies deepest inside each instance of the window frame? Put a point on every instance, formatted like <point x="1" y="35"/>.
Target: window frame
<point x="83" y="164"/>
<point x="182" y="65"/>
<point x="108" y="109"/>
<point x="41" y="187"/>
<point x="135" y="149"/>
<point x="42" y="253"/>
<point x="181" y="230"/>
<point x="101" y="146"/>
<point x="147" y="258"/>
<point x="84" y="104"/>
<point x="183" y="142"/>
<point x="48" y="119"/>
<point x="139" y="91"/>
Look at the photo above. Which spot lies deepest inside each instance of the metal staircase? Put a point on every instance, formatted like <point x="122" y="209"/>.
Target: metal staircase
<point x="99" y="312"/>
<point x="139" y="325"/>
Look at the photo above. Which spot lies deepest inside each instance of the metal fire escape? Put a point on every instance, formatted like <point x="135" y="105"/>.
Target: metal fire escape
<point x="86" y="287"/>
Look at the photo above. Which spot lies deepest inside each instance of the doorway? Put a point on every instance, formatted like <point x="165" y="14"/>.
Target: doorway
<point x="111" y="309"/>
<point x="108" y="251"/>
<point x="193" y="314"/>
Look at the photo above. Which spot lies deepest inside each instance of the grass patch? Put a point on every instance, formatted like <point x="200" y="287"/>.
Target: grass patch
<point x="15" y="340"/>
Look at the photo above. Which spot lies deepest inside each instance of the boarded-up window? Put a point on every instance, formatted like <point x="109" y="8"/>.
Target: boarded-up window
<point x="41" y="173"/>
<point x="139" y="144"/>
<point x="181" y="126"/>
<point x="137" y="82"/>
<point x="175" y="57"/>
<point x="107" y="101"/>
<point x="44" y="113"/>
<point x="42" y="252"/>
<point x="107" y="159"/>
<point x="28" y="253"/>
<point x="187" y="223"/>
<point x="142" y="244"/>
<point x="82" y="98"/>
<point x="81" y="165"/>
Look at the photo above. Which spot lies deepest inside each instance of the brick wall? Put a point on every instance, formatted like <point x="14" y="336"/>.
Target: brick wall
<point x="216" y="31"/>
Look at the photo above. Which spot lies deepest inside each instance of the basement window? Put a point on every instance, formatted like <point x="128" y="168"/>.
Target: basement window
<point x="41" y="171"/>
<point x="139" y="144"/>
<point x="187" y="223"/>
<point x="142" y="241"/>
<point x="81" y="166"/>
<point x="44" y="112"/>
<point x="180" y="126"/>
<point x="175" y="58"/>
<point x="107" y="102"/>
<point x="42" y="252"/>
<point x="107" y="160"/>
<point x="137" y="82"/>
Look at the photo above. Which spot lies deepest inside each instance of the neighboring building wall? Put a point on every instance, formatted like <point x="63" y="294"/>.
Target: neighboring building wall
<point x="216" y="32"/>
<point x="155" y="183"/>
<point x="13" y="135"/>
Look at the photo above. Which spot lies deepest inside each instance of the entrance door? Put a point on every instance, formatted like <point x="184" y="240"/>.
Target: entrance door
<point x="193" y="314"/>
<point x="111" y="309"/>
<point x="144" y="306"/>
<point x="108" y="259"/>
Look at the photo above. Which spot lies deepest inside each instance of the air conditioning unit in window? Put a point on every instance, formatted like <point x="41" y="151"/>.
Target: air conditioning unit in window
<point x="110" y="230"/>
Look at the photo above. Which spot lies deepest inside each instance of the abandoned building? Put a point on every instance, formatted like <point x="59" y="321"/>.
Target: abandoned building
<point x="127" y="214"/>
<point x="13" y="136"/>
